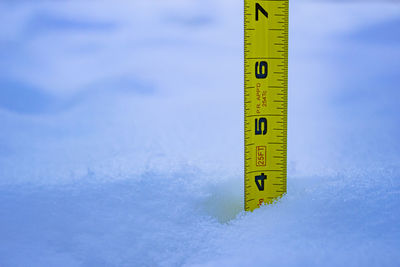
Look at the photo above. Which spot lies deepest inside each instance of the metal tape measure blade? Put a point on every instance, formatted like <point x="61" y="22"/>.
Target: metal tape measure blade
<point x="266" y="75"/>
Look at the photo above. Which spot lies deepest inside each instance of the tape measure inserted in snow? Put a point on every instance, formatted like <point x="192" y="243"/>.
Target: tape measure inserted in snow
<point x="265" y="87"/>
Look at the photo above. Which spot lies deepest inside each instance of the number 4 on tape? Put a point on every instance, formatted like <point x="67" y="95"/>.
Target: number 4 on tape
<point x="260" y="181"/>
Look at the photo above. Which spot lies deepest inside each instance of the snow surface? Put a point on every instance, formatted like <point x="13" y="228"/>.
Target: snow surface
<point x="121" y="139"/>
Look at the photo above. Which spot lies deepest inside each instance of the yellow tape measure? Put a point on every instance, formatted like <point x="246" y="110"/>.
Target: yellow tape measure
<point x="266" y="72"/>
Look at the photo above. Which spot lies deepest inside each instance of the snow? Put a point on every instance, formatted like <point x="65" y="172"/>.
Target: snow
<point x="121" y="139"/>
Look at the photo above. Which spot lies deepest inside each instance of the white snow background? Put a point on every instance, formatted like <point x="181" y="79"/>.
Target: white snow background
<point x="121" y="136"/>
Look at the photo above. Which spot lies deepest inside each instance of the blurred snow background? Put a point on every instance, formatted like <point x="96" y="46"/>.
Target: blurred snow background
<point x="122" y="126"/>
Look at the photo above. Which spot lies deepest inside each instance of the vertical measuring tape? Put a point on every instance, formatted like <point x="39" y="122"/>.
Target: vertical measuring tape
<point x="265" y="87"/>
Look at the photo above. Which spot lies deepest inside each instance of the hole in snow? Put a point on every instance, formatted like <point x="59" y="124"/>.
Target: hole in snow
<point x="225" y="200"/>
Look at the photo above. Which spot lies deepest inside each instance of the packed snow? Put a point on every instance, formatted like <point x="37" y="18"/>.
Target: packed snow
<point x="121" y="139"/>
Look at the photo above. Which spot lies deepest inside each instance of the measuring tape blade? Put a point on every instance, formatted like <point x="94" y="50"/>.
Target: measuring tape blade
<point x="266" y="75"/>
